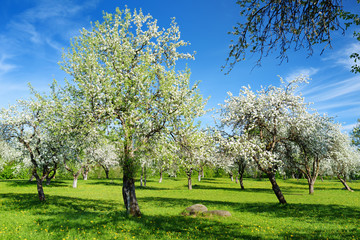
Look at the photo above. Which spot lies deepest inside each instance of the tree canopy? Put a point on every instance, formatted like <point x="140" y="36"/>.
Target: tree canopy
<point x="279" y="26"/>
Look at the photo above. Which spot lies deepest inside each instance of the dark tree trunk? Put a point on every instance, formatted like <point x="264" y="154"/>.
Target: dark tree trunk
<point x="237" y="178"/>
<point x="343" y="181"/>
<point x="128" y="189"/>
<point x="48" y="181"/>
<point x="242" y="181"/>
<point x="106" y="169"/>
<point x="276" y="188"/>
<point x="311" y="182"/>
<point x="129" y="197"/>
<point x="241" y="171"/>
<point x="50" y="177"/>
<point x="107" y="173"/>
<point x="40" y="189"/>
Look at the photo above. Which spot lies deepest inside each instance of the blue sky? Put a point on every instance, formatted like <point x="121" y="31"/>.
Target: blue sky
<point x="34" y="32"/>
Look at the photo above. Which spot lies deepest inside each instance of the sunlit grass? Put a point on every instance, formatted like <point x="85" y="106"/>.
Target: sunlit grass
<point x="95" y="211"/>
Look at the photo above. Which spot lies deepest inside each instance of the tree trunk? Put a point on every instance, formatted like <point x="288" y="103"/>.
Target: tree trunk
<point x="85" y="172"/>
<point x="189" y="183"/>
<point x="48" y="180"/>
<point x="141" y="176"/>
<point x="199" y="176"/>
<point x="129" y="197"/>
<point x="107" y="173"/>
<point x="31" y="178"/>
<point x="237" y="178"/>
<point x="128" y="189"/>
<point x="189" y="173"/>
<point x="343" y="181"/>
<point x="276" y="188"/>
<point x="76" y="176"/>
<point x="311" y="183"/>
<point x="241" y="171"/>
<point x="40" y="189"/>
<point x="161" y="176"/>
<point x="144" y="176"/>
<point x="106" y="169"/>
<point x="241" y="181"/>
<point x="231" y="176"/>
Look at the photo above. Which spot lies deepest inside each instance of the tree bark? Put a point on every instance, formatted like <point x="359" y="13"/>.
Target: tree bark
<point x="48" y="181"/>
<point x="31" y="178"/>
<point x="85" y="172"/>
<point x="241" y="171"/>
<point x="129" y="197"/>
<point x="343" y="181"/>
<point x="40" y="189"/>
<point x="161" y="176"/>
<point x="199" y="176"/>
<point x="128" y="189"/>
<point x="241" y="181"/>
<point x="311" y="182"/>
<point x="106" y="169"/>
<point x="107" y="173"/>
<point x="141" y="176"/>
<point x="75" y="180"/>
<point x="189" y="173"/>
<point x="231" y="176"/>
<point x="49" y="178"/>
<point x="144" y="176"/>
<point x="276" y="188"/>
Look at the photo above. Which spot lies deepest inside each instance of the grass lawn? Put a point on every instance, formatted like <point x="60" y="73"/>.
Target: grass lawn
<point x="95" y="210"/>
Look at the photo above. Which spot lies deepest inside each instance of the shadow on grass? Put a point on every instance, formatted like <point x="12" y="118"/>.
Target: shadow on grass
<point x="25" y="183"/>
<point x="107" y="182"/>
<point x="304" y="212"/>
<point x="62" y="215"/>
<point x="103" y="218"/>
<point x="208" y="187"/>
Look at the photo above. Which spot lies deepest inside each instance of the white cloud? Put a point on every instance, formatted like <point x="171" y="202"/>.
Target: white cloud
<point x="325" y="92"/>
<point x="47" y="23"/>
<point x="342" y="57"/>
<point x="341" y="104"/>
<point x="5" y="67"/>
<point x="302" y="72"/>
<point x="348" y="127"/>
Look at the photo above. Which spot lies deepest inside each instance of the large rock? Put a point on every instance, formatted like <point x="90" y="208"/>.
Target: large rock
<point x="195" y="209"/>
<point x="221" y="213"/>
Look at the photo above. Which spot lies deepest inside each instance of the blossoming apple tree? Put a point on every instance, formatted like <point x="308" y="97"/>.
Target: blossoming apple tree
<point x="124" y="68"/>
<point x="23" y="127"/>
<point x="261" y="122"/>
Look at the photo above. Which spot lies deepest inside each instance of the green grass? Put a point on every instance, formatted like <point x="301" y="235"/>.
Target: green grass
<point x="95" y="211"/>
